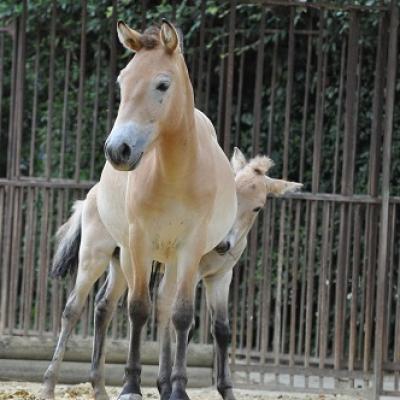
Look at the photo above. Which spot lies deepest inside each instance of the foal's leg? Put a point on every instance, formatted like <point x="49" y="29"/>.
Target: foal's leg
<point x="106" y="303"/>
<point x="95" y="251"/>
<point x="139" y="306"/>
<point x="217" y="292"/>
<point x="165" y="298"/>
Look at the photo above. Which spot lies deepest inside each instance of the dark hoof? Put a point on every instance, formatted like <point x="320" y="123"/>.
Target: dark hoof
<point x="165" y="392"/>
<point x="179" y="394"/>
<point x="130" y="396"/>
<point x="165" y="395"/>
<point x="227" y="394"/>
<point x="223" y="248"/>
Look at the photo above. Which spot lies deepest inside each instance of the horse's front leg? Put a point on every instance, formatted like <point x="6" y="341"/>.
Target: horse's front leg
<point x="217" y="293"/>
<point x="165" y="297"/>
<point x="106" y="302"/>
<point x="137" y="275"/>
<point x="183" y="313"/>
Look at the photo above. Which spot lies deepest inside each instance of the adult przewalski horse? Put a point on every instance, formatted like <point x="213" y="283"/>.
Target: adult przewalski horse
<point x="167" y="193"/>
<point x="252" y="187"/>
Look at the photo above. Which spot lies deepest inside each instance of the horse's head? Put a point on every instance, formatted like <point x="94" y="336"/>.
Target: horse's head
<point x="252" y="188"/>
<point x="155" y="93"/>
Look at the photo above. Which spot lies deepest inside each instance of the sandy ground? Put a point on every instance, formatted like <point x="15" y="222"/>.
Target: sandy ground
<point x="29" y="391"/>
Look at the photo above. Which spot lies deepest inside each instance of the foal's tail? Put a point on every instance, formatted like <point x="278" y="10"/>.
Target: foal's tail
<point x="69" y="238"/>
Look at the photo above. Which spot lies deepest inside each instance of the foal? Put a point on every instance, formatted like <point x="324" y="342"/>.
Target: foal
<point x="176" y="202"/>
<point x="215" y="271"/>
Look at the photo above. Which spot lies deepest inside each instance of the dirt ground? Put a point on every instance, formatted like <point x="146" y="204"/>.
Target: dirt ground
<point x="29" y="391"/>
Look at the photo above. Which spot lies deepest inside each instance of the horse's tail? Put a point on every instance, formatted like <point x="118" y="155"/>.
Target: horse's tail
<point x="69" y="239"/>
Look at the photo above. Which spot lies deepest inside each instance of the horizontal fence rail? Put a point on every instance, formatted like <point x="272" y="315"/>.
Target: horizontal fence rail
<point x="315" y="299"/>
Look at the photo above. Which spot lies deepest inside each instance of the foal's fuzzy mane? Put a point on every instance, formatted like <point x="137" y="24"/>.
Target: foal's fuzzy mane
<point x="261" y="164"/>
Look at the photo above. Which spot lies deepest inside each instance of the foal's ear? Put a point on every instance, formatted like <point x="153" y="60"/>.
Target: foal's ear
<point x="278" y="187"/>
<point x="128" y="37"/>
<point x="238" y="160"/>
<point x="169" y="36"/>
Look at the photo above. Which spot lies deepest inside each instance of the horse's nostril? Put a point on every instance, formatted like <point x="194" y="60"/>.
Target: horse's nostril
<point x="125" y="151"/>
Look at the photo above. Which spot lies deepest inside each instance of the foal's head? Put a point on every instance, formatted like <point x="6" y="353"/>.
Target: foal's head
<point x="252" y="188"/>
<point x="155" y="93"/>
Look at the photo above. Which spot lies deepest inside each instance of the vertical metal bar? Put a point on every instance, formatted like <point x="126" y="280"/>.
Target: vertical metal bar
<point x="34" y="110"/>
<point x="65" y="112"/>
<point x="289" y="90"/>
<point x="305" y="106"/>
<point x="354" y="288"/>
<point x="112" y="66"/>
<point x="346" y="182"/>
<point x="272" y="98"/>
<point x="199" y="88"/>
<point x="208" y="82"/>
<point x="50" y="96"/>
<point x="295" y="284"/>
<point x="1" y="80"/>
<point x="323" y="310"/>
<point x="339" y="116"/>
<point x="390" y="279"/>
<point x="383" y="227"/>
<point x="234" y="319"/>
<point x="42" y="278"/>
<point x="269" y="225"/>
<point x="251" y="283"/>
<point x="11" y="119"/>
<point x="239" y="97"/>
<point x="221" y="92"/>
<point x="315" y="187"/>
<point x="300" y="336"/>
<point x="95" y="112"/>
<point x="278" y="294"/>
<point x="82" y="67"/>
<point x="15" y="250"/>
<point x="287" y="266"/>
<point x="258" y="85"/>
<point x="229" y="78"/>
<point x="396" y="355"/>
<point x="28" y="246"/>
<point x="374" y="173"/>
<point x="20" y="89"/>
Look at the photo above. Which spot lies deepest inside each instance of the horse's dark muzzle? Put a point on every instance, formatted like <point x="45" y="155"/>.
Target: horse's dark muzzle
<point x="122" y="157"/>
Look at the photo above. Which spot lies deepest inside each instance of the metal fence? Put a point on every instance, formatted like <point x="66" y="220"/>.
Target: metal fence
<point x="315" y="302"/>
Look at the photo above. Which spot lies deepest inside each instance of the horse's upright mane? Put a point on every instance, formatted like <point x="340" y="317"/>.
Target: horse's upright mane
<point x="150" y="37"/>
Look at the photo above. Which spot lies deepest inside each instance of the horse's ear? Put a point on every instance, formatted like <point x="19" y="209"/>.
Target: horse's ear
<point x="278" y="187"/>
<point x="238" y="160"/>
<point x="169" y="36"/>
<point x="128" y="37"/>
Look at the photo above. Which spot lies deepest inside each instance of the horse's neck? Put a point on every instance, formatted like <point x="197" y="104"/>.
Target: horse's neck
<point x="177" y="148"/>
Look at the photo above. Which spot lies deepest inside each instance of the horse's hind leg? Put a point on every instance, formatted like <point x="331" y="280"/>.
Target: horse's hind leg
<point x="106" y="303"/>
<point x="217" y="293"/>
<point x="95" y="252"/>
<point x="72" y="312"/>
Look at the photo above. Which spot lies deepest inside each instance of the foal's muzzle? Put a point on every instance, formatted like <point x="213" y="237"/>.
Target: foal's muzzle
<point x="223" y="247"/>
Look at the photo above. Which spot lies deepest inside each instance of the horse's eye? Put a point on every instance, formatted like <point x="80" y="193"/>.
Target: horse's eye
<point x="162" y="86"/>
<point x="257" y="209"/>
